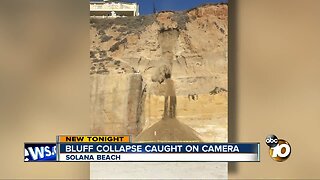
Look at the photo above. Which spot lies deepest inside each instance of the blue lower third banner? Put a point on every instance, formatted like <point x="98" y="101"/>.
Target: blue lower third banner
<point x="142" y="152"/>
<point x="40" y="152"/>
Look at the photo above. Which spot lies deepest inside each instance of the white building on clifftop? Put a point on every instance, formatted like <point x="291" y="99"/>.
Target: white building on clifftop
<point x="112" y="9"/>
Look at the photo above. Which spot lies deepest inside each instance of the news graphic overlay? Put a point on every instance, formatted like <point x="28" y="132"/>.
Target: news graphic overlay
<point x="93" y="139"/>
<point x="40" y="152"/>
<point x="279" y="149"/>
<point x="120" y="148"/>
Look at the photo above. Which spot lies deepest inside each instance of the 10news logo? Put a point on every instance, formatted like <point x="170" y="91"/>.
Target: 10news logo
<point x="279" y="149"/>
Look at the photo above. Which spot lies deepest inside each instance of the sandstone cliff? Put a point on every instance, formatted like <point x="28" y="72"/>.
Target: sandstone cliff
<point x="131" y="58"/>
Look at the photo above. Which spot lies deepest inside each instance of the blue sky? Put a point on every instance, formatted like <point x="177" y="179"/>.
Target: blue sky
<point x="146" y="6"/>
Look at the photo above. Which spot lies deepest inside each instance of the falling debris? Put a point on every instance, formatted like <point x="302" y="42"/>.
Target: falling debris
<point x="162" y="73"/>
<point x="169" y="128"/>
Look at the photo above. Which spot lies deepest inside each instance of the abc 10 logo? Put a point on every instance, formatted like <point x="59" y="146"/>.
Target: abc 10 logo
<point x="279" y="149"/>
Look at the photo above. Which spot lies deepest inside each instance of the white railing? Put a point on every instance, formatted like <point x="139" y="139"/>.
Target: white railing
<point x="103" y="17"/>
<point x="113" y="7"/>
